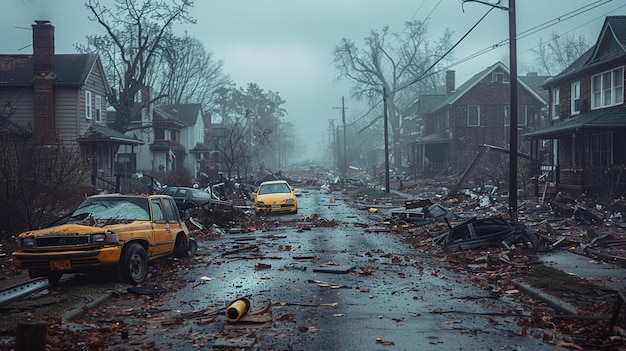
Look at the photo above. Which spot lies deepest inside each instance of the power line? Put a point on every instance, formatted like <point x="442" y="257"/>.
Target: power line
<point x="528" y="32"/>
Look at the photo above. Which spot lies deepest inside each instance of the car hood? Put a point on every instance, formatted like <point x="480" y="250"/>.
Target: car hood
<point x="275" y="197"/>
<point x="80" y="229"/>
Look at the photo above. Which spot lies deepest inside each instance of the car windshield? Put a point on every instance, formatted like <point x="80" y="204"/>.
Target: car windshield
<point x="112" y="208"/>
<point x="274" y="189"/>
<point x="199" y="194"/>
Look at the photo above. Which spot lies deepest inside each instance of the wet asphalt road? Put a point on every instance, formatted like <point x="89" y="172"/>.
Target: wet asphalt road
<point x="405" y="302"/>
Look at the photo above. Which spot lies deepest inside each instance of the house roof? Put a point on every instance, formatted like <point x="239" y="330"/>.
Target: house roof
<point x="428" y="103"/>
<point x="604" y="119"/>
<point x="162" y="119"/>
<point x="185" y="113"/>
<point x="436" y="138"/>
<point x="473" y="81"/>
<point x="96" y="133"/>
<point x="165" y="145"/>
<point x="613" y="35"/>
<point x="200" y="148"/>
<point x="69" y="69"/>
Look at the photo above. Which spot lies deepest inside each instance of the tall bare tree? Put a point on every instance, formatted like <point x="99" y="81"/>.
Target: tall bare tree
<point x="187" y="73"/>
<point x="250" y="118"/>
<point x="395" y="62"/>
<point x="556" y="54"/>
<point x="135" y="33"/>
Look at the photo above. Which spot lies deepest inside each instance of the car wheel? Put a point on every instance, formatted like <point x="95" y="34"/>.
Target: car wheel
<point x="182" y="250"/>
<point x="192" y="247"/>
<point x="134" y="264"/>
<point x="53" y="277"/>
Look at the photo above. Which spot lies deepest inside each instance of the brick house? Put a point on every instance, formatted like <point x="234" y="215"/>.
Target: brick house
<point x="586" y="139"/>
<point x="61" y="98"/>
<point x="457" y="125"/>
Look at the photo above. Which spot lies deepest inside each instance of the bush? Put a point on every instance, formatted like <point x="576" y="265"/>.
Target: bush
<point x="40" y="184"/>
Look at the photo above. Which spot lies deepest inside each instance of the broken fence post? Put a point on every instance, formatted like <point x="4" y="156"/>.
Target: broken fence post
<point x="31" y="335"/>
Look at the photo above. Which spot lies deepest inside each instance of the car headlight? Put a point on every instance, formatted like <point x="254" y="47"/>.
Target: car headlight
<point x="28" y="242"/>
<point x="289" y="202"/>
<point x="104" y="238"/>
<point x="260" y="203"/>
<point x="98" y="238"/>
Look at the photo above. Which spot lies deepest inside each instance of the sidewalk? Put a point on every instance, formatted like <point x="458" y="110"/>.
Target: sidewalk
<point x="607" y="275"/>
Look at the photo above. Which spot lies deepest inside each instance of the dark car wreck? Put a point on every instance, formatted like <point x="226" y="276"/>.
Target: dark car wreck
<point x="481" y="232"/>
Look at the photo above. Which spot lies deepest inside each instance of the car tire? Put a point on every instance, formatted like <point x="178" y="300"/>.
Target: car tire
<point x="185" y="251"/>
<point x="134" y="264"/>
<point x="53" y="277"/>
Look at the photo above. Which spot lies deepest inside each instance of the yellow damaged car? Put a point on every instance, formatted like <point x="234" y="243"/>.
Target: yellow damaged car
<point x="275" y="196"/>
<point x="122" y="232"/>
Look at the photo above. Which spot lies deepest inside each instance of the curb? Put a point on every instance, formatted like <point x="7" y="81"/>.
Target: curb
<point x="554" y="302"/>
<point x="76" y="312"/>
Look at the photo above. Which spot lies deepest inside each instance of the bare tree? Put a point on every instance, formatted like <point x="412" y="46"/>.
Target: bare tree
<point x="135" y="33"/>
<point x="233" y="146"/>
<point x="39" y="183"/>
<point x="187" y="73"/>
<point x="395" y="62"/>
<point x="250" y="119"/>
<point x="559" y="52"/>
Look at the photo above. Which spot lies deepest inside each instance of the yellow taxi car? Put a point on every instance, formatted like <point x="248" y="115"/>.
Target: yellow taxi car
<point x="275" y="196"/>
<point x="120" y="232"/>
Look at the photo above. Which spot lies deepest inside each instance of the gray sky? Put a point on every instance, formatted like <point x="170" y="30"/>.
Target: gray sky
<point x="285" y="45"/>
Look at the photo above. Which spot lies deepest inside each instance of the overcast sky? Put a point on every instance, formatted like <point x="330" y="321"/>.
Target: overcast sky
<point x="285" y="45"/>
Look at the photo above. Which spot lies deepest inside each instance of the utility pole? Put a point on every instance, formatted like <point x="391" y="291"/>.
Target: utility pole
<point x="513" y="147"/>
<point x="332" y="143"/>
<point x="345" y="154"/>
<point x="387" y="185"/>
<point x="513" y="102"/>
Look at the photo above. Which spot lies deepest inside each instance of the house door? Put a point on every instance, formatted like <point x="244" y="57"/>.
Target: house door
<point x="126" y="164"/>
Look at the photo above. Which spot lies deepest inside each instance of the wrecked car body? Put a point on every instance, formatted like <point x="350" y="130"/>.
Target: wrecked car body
<point x="476" y="233"/>
<point x="122" y="232"/>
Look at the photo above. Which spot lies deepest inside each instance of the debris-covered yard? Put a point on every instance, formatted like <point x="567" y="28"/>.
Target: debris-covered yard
<point x="472" y="236"/>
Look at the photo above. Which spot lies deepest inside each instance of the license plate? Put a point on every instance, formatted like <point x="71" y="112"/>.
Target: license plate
<point x="60" y="265"/>
<point x="276" y="206"/>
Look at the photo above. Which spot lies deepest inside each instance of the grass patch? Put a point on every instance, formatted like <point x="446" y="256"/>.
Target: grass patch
<point x="554" y="279"/>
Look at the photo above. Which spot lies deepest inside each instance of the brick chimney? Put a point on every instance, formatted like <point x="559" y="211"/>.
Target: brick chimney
<point x="43" y="80"/>
<point x="450" y="84"/>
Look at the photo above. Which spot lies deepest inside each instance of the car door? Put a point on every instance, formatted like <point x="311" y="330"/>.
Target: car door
<point x="173" y="218"/>
<point x="163" y="234"/>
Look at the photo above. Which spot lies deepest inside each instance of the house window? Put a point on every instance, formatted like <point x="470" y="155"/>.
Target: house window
<point x="522" y="118"/>
<point x="556" y="96"/>
<point x="607" y="88"/>
<point x="575" y="97"/>
<point x="473" y="116"/>
<point x="159" y="134"/>
<point x="499" y="77"/>
<point x="98" y="108"/>
<point x="88" y="105"/>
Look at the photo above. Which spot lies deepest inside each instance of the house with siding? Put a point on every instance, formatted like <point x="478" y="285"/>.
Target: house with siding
<point x="459" y="124"/>
<point x="61" y="98"/>
<point x="174" y="138"/>
<point x="586" y="138"/>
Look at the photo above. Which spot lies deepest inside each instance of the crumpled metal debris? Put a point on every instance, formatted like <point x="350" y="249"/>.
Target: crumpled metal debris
<point x="475" y="233"/>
